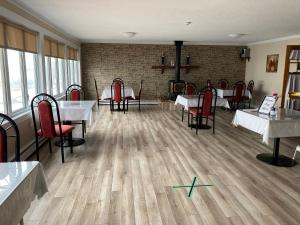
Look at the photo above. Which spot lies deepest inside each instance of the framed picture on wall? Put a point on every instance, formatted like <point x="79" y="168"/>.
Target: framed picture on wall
<point x="272" y="63"/>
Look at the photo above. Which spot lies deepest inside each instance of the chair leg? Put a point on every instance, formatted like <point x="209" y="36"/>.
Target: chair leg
<point x="139" y="104"/>
<point x="124" y="102"/>
<point x="37" y="149"/>
<point x="197" y="123"/>
<point x="249" y="104"/>
<point x="62" y="149"/>
<point x="192" y="118"/>
<point x="182" y="114"/>
<point x="188" y="117"/>
<point x="71" y="142"/>
<point x="83" y="128"/>
<point x="214" y="120"/>
<point x="50" y="145"/>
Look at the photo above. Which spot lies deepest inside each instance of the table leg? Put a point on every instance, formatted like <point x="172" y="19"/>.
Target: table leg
<point x="275" y="158"/>
<point x="75" y="141"/>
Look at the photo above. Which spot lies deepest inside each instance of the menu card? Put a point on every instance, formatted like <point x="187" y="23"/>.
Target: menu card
<point x="267" y="105"/>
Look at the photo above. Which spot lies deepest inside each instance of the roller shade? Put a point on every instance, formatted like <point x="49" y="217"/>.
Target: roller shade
<point x="53" y="48"/>
<point x="17" y="37"/>
<point x="72" y="53"/>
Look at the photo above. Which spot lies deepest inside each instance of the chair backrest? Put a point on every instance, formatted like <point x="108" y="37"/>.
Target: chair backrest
<point x="117" y="90"/>
<point x="45" y="105"/>
<point x="208" y="97"/>
<point x="223" y="84"/>
<point x="141" y="88"/>
<point x="190" y="89"/>
<point x="250" y="86"/>
<point x="239" y="90"/>
<point x="74" y="92"/>
<point x="97" y="93"/>
<point x="8" y="129"/>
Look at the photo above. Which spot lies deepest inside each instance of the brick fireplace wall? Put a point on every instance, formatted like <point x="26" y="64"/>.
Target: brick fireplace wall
<point x="133" y="62"/>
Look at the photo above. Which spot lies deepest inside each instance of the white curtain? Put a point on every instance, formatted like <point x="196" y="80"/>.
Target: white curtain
<point x="292" y="85"/>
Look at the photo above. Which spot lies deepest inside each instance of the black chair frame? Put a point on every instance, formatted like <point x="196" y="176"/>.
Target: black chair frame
<point x="34" y="104"/>
<point x="112" y="107"/>
<point x="10" y="124"/>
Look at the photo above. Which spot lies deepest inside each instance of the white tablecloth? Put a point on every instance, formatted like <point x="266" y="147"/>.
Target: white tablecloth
<point x="20" y="183"/>
<point x="285" y="124"/>
<point x="106" y="93"/>
<point x="228" y="92"/>
<point x="75" y="110"/>
<point x="192" y="101"/>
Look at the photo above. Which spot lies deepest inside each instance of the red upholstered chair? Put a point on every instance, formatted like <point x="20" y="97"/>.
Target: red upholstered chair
<point x="223" y="84"/>
<point x="206" y="108"/>
<point x="45" y="105"/>
<point x="190" y="89"/>
<point x="98" y="99"/>
<point x="250" y="88"/>
<point x="117" y="94"/>
<point x="209" y="84"/>
<point x="75" y="93"/>
<point x="238" y="95"/>
<point x="8" y="129"/>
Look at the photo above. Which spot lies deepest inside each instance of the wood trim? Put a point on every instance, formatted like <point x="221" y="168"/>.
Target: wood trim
<point x="287" y="70"/>
<point x="16" y="8"/>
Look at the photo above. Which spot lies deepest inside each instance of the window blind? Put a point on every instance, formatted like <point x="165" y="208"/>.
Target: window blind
<point x="72" y="53"/>
<point x="53" y="48"/>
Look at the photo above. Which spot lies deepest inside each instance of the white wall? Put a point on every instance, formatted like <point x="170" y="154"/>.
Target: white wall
<point x="267" y="83"/>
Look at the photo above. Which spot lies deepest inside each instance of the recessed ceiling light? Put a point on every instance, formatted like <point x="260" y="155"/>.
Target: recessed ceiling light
<point x="129" y="34"/>
<point x="237" y="35"/>
<point x="188" y="23"/>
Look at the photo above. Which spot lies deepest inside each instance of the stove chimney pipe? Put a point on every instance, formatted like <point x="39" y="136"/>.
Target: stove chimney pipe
<point x="178" y="45"/>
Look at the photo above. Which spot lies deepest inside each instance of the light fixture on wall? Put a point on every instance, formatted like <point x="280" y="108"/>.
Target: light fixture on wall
<point x="295" y="55"/>
<point x="129" y="34"/>
<point x="245" y="54"/>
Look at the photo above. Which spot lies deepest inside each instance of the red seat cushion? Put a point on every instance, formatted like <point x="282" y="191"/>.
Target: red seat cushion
<point x="194" y="110"/>
<point x="66" y="129"/>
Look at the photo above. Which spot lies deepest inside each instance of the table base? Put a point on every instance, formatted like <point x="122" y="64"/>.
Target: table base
<point x="282" y="161"/>
<point x="200" y="126"/>
<point x="75" y="141"/>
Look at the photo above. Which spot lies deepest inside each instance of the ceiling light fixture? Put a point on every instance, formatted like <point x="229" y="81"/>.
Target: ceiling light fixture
<point x="237" y="35"/>
<point x="188" y="23"/>
<point x="129" y="34"/>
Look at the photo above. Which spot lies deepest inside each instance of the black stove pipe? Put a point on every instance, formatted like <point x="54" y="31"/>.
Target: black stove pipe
<point x="178" y="45"/>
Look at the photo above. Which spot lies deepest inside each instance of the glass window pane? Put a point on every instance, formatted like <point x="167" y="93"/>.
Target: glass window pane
<point x="15" y="81"/>
<point x="54" y="76"/>
<point x="1" y="82"/>
<point x="61" y="75"/>
<point x="30" y="72"/>
<point x="47" y="71"/>
<point x="72" y="72"/>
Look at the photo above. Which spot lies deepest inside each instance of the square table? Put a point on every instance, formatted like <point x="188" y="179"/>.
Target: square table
<point x="74" y="111"/>
<point x="20" y="182"/>
<point x="188" y="101"/>
<point x="285" y="124"/>
<point x="223" y="93"/>
<point x="106" y="93"/>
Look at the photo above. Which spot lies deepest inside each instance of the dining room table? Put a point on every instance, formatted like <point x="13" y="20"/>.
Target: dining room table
<point x="107" y="93"/>
<point x="72" y="111"/>
<point x="223" y="93"/>
<point x="20" y="184"/>
<point x="286" y="123"/>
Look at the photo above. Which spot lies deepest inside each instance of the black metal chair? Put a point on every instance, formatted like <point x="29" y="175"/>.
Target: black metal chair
<point x="206" y="108"/>
<point x="8" y="129"/>
<point x="44" y="104"/>
<point x="223" y="84"/>
<point x="250" y="88"/>
<point x="118" y="94"/>
<point x="75" y="93"/>
<point x="238" y="95"/>
<point x="98" y="99"/>
<point x="189" y="89"/>
<point x="138" y="98"/>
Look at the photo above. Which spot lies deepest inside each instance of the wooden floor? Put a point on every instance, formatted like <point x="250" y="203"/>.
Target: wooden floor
<point x="125" y="172"/>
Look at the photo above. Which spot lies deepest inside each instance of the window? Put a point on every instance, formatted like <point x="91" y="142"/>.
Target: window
<point x="15" y="79"/>
<point x="1" y="82"/>
<point x="30" y="60"/>
<point x="47" y="73"/>
<point x="54" y="76"/>
<point x="61" y="73"/>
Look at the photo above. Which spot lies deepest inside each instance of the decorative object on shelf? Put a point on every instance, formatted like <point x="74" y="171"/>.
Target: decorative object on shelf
<point x="245" y="54"/>
<point x="272" y="63"/>
<point x="172" y="63"/>
<point x="295" y="55"/>
<point x="163" y="59"/>
<point x="188" y="60"/>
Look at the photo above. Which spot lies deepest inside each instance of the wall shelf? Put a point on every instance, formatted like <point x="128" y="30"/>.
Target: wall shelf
<point x="166" y="67"/>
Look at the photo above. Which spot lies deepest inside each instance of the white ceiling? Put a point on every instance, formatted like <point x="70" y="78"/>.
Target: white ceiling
<point x="159" y="21"/>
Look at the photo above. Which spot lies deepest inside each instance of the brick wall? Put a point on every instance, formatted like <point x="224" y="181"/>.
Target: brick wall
<point x="133" y="62"/>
